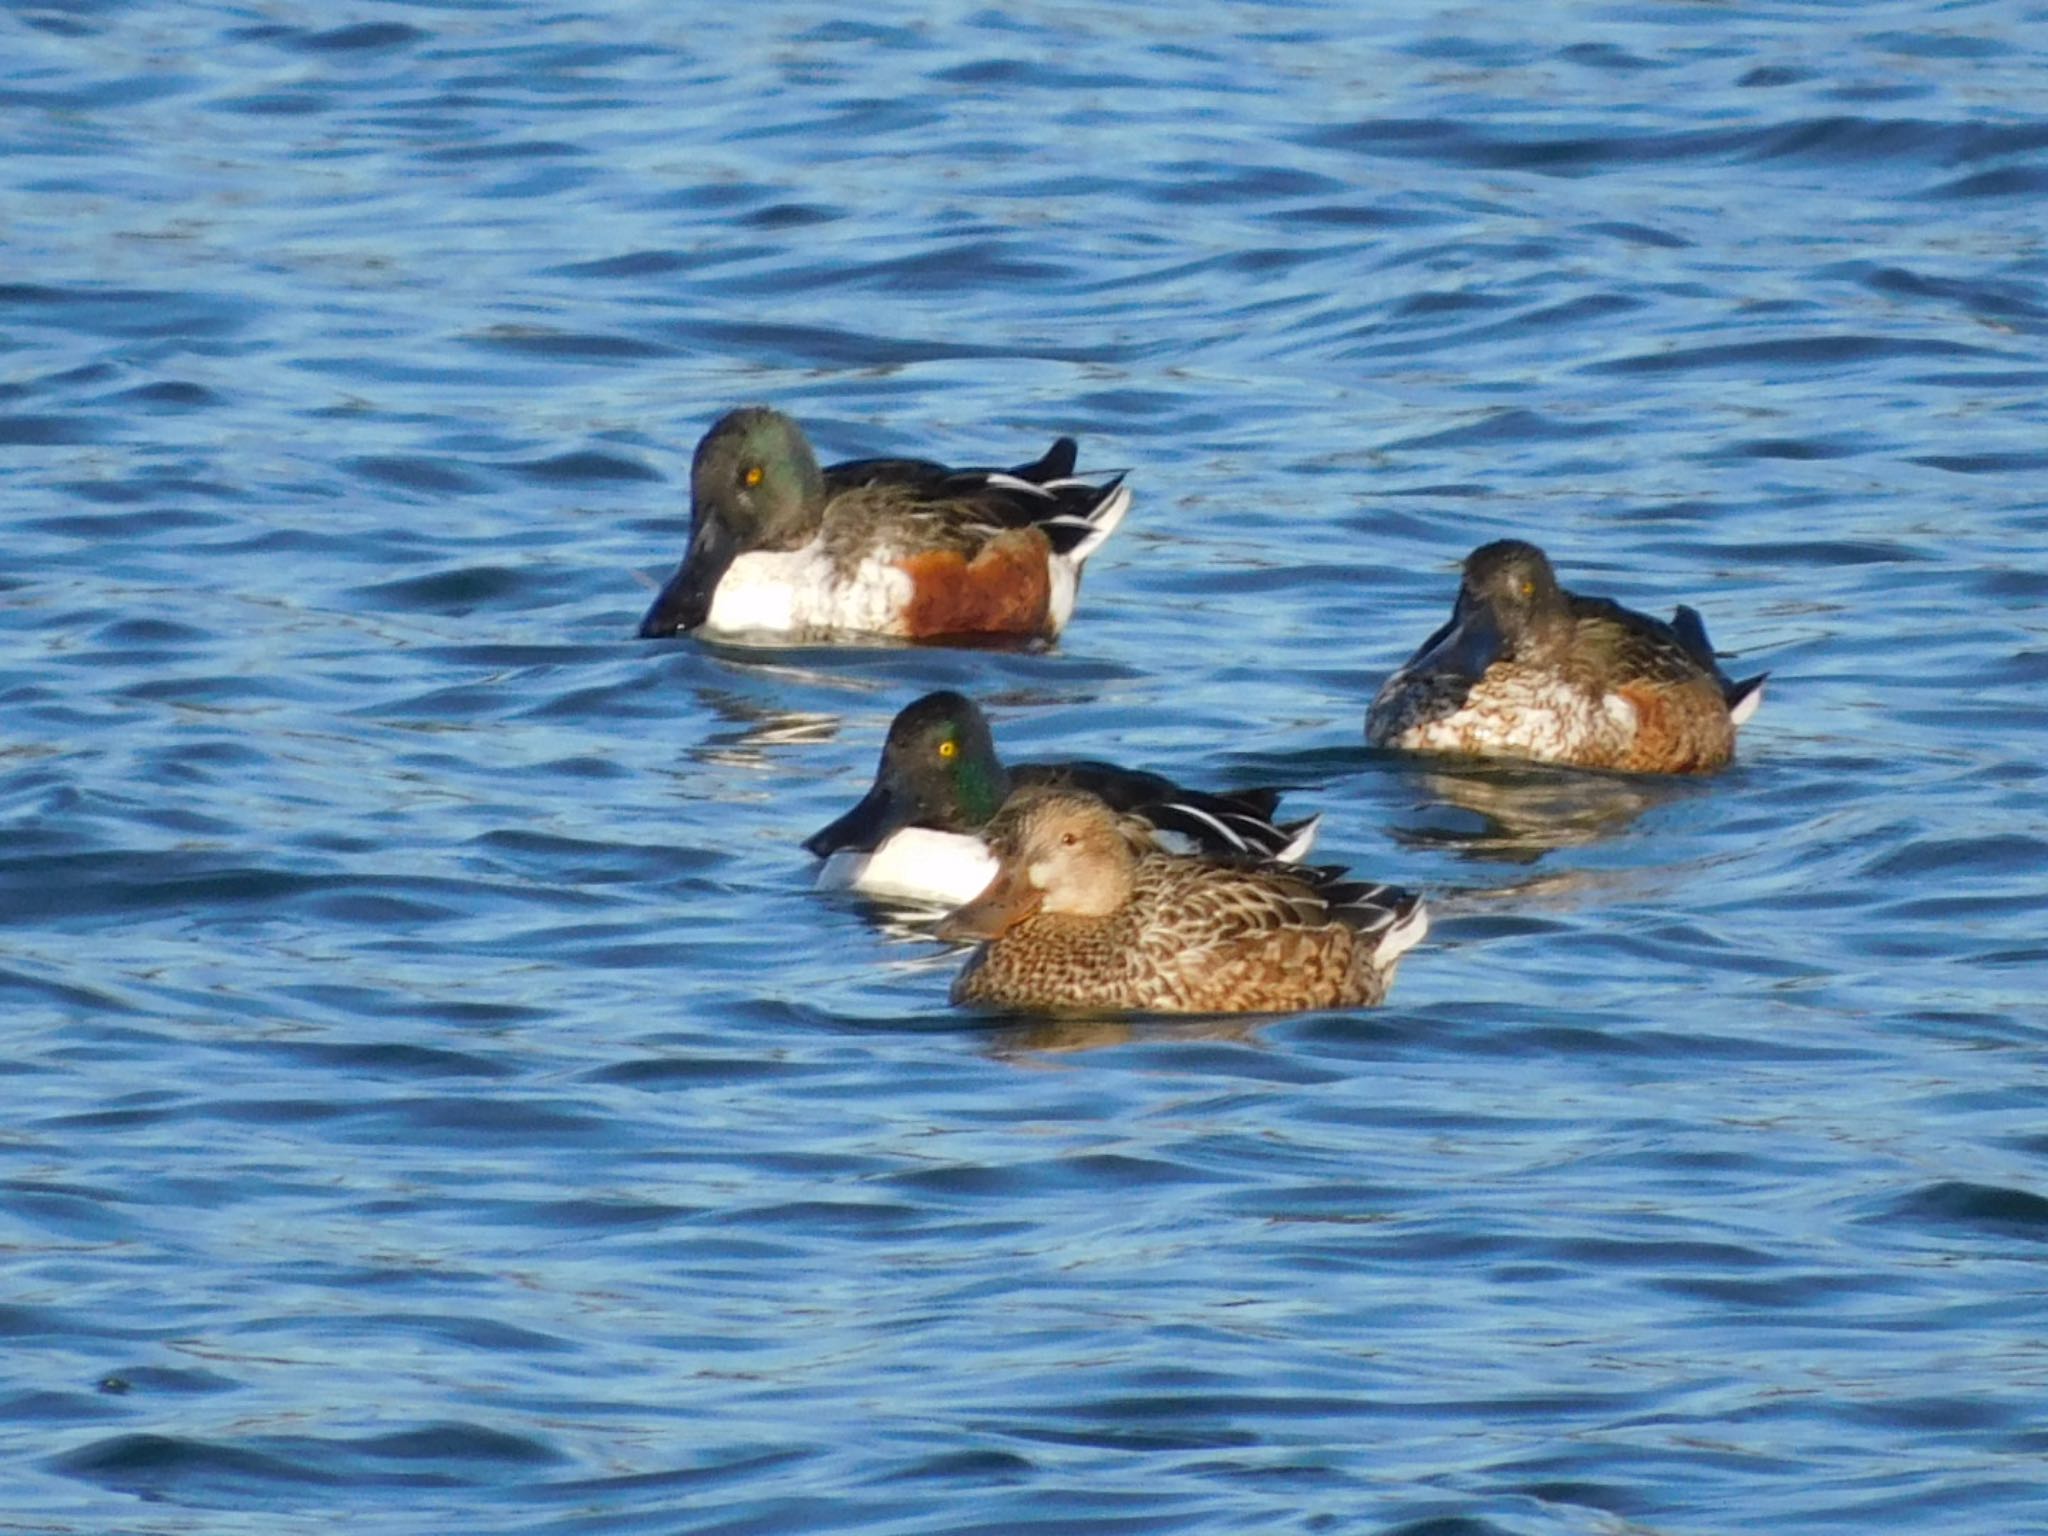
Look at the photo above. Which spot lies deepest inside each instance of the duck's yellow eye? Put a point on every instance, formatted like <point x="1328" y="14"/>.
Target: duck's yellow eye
<point x="1528" y="589"/>
<point x="949" y="749"/>
<point x="752" y="476"/>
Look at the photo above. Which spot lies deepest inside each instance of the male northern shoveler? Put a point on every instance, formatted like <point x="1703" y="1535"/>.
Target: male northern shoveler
<point x="916" y="835"/>
<point x="896" y="547"/>
<point x="1526" y="669"/>
<point x="1087" y="913"/>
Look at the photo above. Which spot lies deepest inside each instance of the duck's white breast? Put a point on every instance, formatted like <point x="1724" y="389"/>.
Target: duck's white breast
<point x="800" y="590"/>
<point x="943" y="869"/>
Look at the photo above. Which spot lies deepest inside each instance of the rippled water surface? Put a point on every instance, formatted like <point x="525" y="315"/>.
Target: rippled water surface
<point x="439" y="1101"/>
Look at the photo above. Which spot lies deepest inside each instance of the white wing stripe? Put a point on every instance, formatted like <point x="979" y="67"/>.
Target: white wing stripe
<point x="1010" y="482"/>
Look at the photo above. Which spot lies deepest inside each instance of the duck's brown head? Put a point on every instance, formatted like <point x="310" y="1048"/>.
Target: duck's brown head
<point x="1059" y="851"/>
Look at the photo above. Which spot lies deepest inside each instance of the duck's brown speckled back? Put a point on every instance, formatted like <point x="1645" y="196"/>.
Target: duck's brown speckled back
<point x="1179" y="935"/>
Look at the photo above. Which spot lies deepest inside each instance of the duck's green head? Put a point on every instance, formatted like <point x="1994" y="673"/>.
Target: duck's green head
<point x="939" y="770"/>
<point x="756" y="474"/>
<point x="754" y="484"/>
<point x="940" y="764"/>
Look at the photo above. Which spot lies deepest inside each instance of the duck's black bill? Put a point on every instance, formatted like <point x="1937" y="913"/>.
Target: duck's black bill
<point x="1466" y="646"/>
<point x="686" y="601"/>
<point x="861" y="829"/>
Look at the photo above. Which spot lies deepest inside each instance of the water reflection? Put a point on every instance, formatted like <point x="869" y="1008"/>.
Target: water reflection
<point x="754" y="727"/>
<point x="909" y="923"/>
<point x="1043" y="1037"/>
<point x="1516" y="814"/>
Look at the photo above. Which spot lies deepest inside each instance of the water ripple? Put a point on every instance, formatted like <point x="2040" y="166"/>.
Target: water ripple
<point x="438" y="1090"/>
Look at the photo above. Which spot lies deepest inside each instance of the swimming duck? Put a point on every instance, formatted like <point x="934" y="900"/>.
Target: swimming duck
<point x="1527" y="669"/>
<point x="915" y="836"/>
<point x="892" y="547"/>
<point x="1087" y="912"/>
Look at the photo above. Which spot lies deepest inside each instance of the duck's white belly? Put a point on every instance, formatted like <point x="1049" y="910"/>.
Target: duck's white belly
<point x="799" y="591"/>
<point x="916" y="864"/>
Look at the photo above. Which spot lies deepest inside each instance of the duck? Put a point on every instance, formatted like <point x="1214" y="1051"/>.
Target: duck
<point x="915" y="837"/>
<point x="904" y="549"/>
<point x="1526" y="669"/>
<point x="1087" y="913"/>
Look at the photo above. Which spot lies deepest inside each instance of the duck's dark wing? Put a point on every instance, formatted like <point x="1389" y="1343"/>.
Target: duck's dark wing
<point x="1128" y="789"/>
<point x="1240" y="822"/>
<point x="1634" y="646"/>
<point x="938" y="482"/>
<point x="1074" y="514"/>
<point x="1228" y="834"/>
<point x="1370" y="907"/>
<point x="1056" y="463"/>
<point x="1742" y="696"/>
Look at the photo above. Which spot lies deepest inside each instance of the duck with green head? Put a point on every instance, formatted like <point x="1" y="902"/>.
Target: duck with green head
<point x="783" y="549"/>
<point x="916" y="835"/>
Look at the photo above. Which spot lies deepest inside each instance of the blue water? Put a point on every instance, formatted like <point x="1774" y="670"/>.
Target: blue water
<point x="439" y="1103"/>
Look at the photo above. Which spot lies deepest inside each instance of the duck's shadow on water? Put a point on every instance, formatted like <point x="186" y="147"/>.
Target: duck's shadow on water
<point x="1517" y="815"/>
<point x="1511" y="813"/>
<point x="1020" y="1037"/>
<point x="775" y="695"/>
<point x="988" y="666"/>
<point x="1023" y="1039"/>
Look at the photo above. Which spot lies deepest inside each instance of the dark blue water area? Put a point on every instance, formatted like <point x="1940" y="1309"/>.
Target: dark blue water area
<point x="438" y="1101"/>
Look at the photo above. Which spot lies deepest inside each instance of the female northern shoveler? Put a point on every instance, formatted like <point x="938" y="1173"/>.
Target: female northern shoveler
<point x="916" y="834"/>
<point x="1527" y="669"/>
<point x="1088" y="913"/>
<point x="897" y="547"/>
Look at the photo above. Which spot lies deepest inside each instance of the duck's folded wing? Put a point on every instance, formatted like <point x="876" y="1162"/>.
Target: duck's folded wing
<point x="1742" y="696"/>
<point x="1232" y="832"/>
<point x="1634" y="644"/>
<point x="1219" y="902"/>
<point x="1238" y="823"/>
